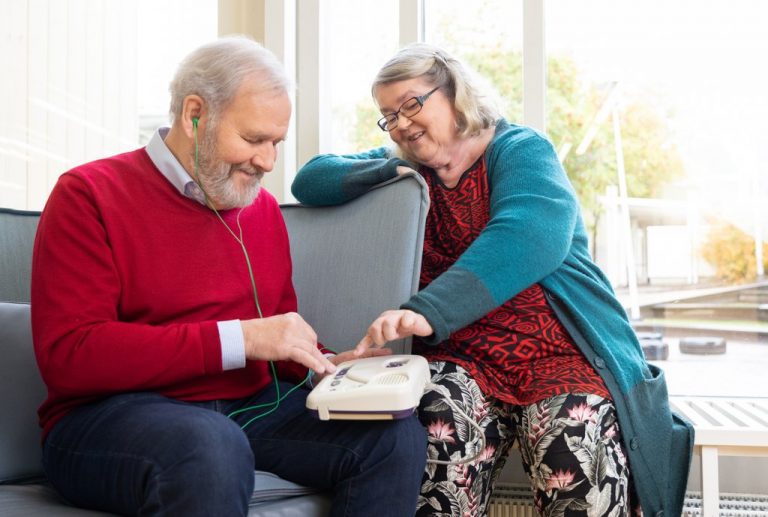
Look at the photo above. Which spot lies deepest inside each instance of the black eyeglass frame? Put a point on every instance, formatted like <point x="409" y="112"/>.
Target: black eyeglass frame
<point x="395" y="117"/>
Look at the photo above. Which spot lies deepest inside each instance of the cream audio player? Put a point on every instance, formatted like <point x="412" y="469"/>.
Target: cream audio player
<point x="374" y="388"/>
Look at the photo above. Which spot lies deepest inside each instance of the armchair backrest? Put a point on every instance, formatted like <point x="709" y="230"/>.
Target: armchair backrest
<point x="353" y="261"/>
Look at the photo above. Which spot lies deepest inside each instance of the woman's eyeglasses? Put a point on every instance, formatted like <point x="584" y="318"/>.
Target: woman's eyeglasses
<point x="407" y="109"/>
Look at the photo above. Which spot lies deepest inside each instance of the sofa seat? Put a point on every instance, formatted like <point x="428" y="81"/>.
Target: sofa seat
<point x="39" y="499"/>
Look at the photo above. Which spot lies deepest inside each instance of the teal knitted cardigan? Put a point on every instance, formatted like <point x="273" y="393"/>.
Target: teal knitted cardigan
<point x="535" y="234"/>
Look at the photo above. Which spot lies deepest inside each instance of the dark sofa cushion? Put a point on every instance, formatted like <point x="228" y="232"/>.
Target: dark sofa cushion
<point x="21" y="393"/>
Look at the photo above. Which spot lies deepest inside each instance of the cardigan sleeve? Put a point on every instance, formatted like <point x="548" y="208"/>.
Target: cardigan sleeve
<point x="330" y="179"/>
<point x="533" y="214"/>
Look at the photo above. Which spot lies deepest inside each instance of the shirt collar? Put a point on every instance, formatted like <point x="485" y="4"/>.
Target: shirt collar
<point x="170" y="167"/>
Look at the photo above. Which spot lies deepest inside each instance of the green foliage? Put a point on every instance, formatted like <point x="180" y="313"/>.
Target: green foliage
<point x="651" y="160"/>
<point x="504" y="71"/>
<point x="732" y="253"/>
<point x="367" y="135"/>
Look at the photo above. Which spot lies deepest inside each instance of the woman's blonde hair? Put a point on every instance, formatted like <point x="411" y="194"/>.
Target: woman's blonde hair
<point x="476" y="107"/>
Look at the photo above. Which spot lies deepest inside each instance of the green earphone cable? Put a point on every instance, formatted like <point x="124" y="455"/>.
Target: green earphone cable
<point x="274" y="405"/>
<point x="240" y="228"/>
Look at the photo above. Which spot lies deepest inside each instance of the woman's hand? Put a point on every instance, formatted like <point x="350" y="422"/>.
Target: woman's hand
<point x="391" y="325"/>
<point x="402" y="169"/>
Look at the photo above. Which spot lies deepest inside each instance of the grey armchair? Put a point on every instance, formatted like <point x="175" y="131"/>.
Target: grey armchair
<point x="350" y="263"/>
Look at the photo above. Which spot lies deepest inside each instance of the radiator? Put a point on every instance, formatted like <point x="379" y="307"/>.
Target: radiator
<point x="731" y="505"/>
<point x="514" y="500"/>
<point x="511" y="500"/>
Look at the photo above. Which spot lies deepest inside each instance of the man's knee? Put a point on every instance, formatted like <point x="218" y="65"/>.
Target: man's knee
<point x="406" y="440"/>
<point x="209" y="466"/>
<point x="212" y="443"/>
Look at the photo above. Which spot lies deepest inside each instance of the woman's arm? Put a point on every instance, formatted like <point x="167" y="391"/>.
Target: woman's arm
<point x="533" y="215"/>
<point x="330" y="179"/>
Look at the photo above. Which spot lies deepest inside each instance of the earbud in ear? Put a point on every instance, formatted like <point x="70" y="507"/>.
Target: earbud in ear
<point x="195" y="120"/>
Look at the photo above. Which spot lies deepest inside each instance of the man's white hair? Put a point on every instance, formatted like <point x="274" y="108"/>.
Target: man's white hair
<point x="216" y="70"/>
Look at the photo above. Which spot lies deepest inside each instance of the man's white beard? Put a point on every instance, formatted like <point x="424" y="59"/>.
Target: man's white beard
<point x="217" y="177"/>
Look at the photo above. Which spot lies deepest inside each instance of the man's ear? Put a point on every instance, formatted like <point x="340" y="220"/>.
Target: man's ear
<point x="192" y="114"/>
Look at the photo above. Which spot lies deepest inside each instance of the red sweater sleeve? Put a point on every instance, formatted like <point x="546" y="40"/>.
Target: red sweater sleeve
<point x="81" y="347"/>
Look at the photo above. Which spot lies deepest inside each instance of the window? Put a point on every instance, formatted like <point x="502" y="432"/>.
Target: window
<point x="487" y="36"/>
<point x="85" y="80"/>
<point x="680" y="100"/>
<point x="356" y="52"/>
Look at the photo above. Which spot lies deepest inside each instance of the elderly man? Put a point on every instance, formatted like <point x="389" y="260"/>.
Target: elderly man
<point x="165" y="328"/>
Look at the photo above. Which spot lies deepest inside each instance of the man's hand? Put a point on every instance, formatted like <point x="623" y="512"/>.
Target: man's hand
<point x="391" y="325"/>
<point x="284" y="337"/>
<point x="348" y="356"/>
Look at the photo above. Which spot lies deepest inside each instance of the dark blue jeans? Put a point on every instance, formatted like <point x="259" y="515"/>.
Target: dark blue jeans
<point x="145" y="454"/>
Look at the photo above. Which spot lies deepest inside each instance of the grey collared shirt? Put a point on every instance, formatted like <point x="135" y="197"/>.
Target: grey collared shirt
<point x="230" y="332"/>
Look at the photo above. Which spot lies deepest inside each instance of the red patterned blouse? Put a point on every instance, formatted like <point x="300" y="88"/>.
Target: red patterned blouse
<point x="519" y="352"/>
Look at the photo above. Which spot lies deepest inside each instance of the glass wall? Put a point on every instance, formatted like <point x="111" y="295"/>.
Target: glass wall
<point x="488" y="36"/>
<point x="669" y="99"/>
<point x="655" y="108"/>
<point x="358" y="44"/>
<point x="85" y="79"/>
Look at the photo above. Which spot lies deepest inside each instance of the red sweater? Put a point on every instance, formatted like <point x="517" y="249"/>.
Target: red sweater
<point x="129" y="279"/>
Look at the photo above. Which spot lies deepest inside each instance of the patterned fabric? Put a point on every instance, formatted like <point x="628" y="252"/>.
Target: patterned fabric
<point x="570" y="446"/>
<point x="519" y="352"/>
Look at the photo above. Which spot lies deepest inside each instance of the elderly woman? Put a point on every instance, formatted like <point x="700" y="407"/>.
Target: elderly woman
<point x="520" y="327"/>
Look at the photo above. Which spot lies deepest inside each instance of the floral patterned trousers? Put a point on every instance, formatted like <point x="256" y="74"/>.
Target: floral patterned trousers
<point x="570" y="445"/>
